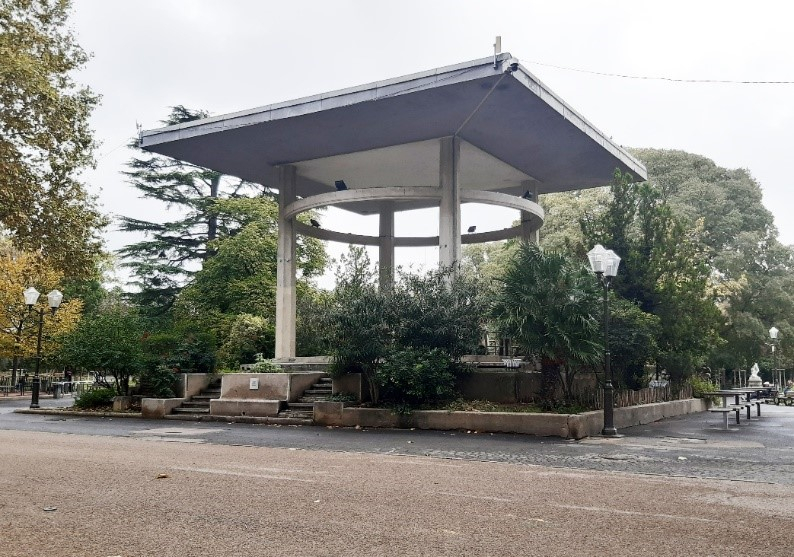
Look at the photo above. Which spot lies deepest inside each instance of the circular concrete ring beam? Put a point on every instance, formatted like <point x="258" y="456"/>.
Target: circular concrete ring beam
<point x="530" y="208"/>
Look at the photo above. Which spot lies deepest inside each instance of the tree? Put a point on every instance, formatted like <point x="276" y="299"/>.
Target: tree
<point x="547" y="304"/>
<point x="45" y="139"/>
<point x="172" y="250"/>
<point x="18" y="324"/>
<point x="109" y="341"/>
<point x="664" y="271"/>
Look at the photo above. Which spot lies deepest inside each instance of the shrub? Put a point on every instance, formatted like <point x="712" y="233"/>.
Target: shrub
<point x="95" y="398"/>
<point x="262" y="365"/>
<point x="415" y="376"/>
<point x="701" y="385"/>
<point x="159" y="382"/>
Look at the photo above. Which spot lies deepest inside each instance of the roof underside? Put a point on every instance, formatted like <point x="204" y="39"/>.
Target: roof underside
<point x="513" y="132"/>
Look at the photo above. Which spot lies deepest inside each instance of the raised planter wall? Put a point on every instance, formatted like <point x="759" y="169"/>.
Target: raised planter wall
<point x="190" y="384"/>
<point x="570" y="426"/>
<point x="266" y="399"/>
<point x="157" y="408"/>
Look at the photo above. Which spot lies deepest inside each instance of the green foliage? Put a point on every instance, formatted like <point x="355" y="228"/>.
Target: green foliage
<point x="159" y="382"/>
<point x="249" y="336"/>
<point x="181" y="348"/>
<point x="262" y="365"/>
<point x="663" y="271"/>
<point x="45" y="138"/>
<point x="412" y="376"/>
<point x="433" y="311"/>
<point x="109" y="341"/>
<point x="95" y="398"/>
<point x="311" y="335"/>
<point x="548" y="304"/>
<point x="633" y="335"/>
<point x="425" y="314"/>
<point x="701" y="385"/>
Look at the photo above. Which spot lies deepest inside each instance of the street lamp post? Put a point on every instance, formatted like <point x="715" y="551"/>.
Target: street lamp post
<point x="773" y="332"/>
<point x="54" y="299"/>
<point x="604" y="263"/>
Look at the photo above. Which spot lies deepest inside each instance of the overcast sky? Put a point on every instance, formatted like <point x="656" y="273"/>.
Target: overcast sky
<point x="230" y="55"/>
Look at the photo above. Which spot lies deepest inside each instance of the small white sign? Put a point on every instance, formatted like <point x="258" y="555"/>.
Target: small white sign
<point x="253" y="383"/>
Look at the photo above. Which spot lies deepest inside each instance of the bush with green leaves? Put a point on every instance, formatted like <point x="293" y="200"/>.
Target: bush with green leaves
<point x="95" y="398"/>
<point x="159" y="382"/>
<point x="413" y="376"/>
<point x="420" y="317"/>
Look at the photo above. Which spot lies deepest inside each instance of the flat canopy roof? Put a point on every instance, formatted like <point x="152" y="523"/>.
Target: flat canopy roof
<point x="514" y="131"/>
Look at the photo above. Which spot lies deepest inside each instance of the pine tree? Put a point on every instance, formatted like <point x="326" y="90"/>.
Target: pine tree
<point x="172" y="251"/>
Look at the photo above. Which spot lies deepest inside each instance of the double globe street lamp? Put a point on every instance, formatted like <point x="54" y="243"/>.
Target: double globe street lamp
<point x="54" y="299"/>
<point x="604" y="263"/>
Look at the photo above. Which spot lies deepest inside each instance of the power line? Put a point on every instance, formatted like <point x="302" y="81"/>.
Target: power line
<point x="671" y="79"/>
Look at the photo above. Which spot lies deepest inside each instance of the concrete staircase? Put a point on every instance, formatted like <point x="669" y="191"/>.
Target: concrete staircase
<point x="198" y="405"/>
<point x="303" y="408"/>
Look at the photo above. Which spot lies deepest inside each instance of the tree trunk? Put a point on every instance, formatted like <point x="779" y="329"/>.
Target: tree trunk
<point x="549" y="377"/>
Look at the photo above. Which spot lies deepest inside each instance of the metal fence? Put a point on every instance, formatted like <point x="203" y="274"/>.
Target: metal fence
<point x="594" y="398"/>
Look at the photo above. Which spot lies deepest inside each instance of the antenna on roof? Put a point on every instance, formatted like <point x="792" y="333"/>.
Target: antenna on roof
<point x="497" y="50"/>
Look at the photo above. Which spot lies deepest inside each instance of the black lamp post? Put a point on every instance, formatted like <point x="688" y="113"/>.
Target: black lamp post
<point x="604" y="263"/>
<point x="773" y="332"/>
<point x="54" y="299"/>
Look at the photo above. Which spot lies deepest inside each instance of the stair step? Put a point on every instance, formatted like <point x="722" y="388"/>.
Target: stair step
<point x="183" y="410"/>
<point x="317" y="391"/>
<point x="195" y="404"/>
<point x="300" y="405"/>
<point x="300" y="415"/>
<point x="206" y="397"/>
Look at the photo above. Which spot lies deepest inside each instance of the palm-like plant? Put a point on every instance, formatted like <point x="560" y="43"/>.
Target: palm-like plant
<point x="547" y="305"/>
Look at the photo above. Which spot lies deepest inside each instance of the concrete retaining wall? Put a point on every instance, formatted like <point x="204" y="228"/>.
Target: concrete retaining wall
<point x="272" y="390"/>
<point x="157" y="408"/>
<point x="189" y="384"/>
<point x="244" y="407"/>
<point x="570" y="426"/>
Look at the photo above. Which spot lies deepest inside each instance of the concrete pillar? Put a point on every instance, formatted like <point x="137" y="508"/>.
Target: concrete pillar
<point x="386" y="245"/>
<point x="449" y="213"/>
<point x="285" y="266"/>
<point x="528" y="234"/>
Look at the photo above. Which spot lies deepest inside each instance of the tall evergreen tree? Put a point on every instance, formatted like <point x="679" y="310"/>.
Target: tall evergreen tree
<point x="172" y="251"/>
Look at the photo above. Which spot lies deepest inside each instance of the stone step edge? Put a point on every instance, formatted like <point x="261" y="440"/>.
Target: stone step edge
<point x="262" y="420"/>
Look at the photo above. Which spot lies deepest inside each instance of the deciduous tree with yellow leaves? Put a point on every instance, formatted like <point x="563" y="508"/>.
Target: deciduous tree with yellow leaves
<point x="18" y="324"/>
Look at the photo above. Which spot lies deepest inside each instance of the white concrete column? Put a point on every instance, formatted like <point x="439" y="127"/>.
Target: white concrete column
<point x="386" y="245"/>
<point x="449" y="213"/>
<point x="285" y="266"/>
<point x="528" y="234"/>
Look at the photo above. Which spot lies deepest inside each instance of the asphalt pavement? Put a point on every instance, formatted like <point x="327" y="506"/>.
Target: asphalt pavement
<point x="693" y="446"/>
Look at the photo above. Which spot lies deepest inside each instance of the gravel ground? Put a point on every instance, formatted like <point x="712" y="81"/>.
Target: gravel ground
<point x="167" y="493"/>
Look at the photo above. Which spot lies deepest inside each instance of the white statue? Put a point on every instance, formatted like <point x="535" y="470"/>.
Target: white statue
<point x="754" y="380"/>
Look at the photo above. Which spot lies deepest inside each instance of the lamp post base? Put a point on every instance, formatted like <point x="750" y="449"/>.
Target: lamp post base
<point x="34" y="392"/>
<point x="610" y="432"/>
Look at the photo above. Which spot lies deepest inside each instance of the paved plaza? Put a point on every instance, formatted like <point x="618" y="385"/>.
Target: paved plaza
<point x="136" y="487"/>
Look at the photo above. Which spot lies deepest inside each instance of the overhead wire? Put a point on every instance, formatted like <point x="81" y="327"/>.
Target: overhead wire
<point x="664" y="78"/>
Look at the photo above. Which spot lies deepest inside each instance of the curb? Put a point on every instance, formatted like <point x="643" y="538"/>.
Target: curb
<point x="52" y="412"/>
